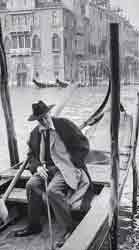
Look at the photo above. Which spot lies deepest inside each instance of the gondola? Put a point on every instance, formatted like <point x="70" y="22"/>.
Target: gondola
<point x="61" y="84"/>
<point x="39" y="84"/>
<point x="58" y="83"/>
<point x="95" y="221"/>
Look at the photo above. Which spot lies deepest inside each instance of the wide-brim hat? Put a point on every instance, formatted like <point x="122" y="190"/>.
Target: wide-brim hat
<point x="39" y="110"/>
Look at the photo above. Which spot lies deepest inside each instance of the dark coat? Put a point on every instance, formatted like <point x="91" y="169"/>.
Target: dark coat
<point x="75" y="142"/>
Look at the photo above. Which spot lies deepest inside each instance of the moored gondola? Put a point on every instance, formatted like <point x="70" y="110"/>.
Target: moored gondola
<point x="39" y="84"/>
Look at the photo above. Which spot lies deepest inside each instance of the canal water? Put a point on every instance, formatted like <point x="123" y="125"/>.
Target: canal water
<point x="83" y="102"/>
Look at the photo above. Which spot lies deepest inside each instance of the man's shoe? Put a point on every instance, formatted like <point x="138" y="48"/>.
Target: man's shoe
<point x="61" y="241"/>
<point x="28" y="230"/>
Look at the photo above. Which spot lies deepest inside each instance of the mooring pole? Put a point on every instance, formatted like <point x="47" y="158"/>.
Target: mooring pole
<point x="115" y="118"/>
<point x="134" y="165"/>
<point x="6" y="104"/>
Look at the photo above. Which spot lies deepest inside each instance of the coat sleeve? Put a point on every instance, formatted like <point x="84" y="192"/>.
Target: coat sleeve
<point x="33" y="152"/>
<point x="75" y="141"/>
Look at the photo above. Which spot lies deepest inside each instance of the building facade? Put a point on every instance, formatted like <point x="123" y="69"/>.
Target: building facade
<point x="97" y="62"/>
<point x="68" y="40"/>
<point x="38" y="36"/>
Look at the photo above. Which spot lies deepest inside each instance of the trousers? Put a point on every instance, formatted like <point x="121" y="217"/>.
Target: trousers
<point x="56" y="191"/>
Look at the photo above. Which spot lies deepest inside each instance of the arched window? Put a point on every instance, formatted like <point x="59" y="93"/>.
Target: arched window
<point x="7" y="44"/>
<point x="55" y="42"/>
<point x="36" y="43"/>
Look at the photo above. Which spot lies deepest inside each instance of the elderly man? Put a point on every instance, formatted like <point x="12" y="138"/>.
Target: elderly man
<point x="57" y="149"/>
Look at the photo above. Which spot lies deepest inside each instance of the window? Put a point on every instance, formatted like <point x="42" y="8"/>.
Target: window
<point x="27" y="41"/>
<point x="54" y="18"/>
<point x="76" y="43"/>
<point x="65" y="43"/>
<point x="7" y="44"/>
<point x="7" y="21"/>
<point x="101" y="16"/>
<point x="82" y="9"/>
<point x="36" y="43"/>
<point x="56" y="74"/>
<point x="12" y="3"/>
<point x="55" y="42"/>
<point x="14" y="42"/>
<point x="21" y="68"/>
<point x="21" y="41"/>
<point x="35" y="20"/>
<point x="37" y="74"/>
<point x="22" y="20"/>
<point x="15" y="20"/>
<point x="56" y="60"/>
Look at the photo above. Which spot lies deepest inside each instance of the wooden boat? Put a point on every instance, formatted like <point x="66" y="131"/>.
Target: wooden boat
<point x="39" y="84"/>
<point x="61" y="84"/>
<point x="93" y="227"/>
<point x="58" y="83"/>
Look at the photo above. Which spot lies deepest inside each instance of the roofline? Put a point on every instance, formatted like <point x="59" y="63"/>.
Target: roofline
<point x="49" y="6"/>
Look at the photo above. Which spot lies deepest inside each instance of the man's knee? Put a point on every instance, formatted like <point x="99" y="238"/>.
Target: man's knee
<point x="53" y="193"/>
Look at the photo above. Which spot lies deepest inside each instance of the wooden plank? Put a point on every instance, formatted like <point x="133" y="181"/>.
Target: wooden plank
<point x="93" y="222"/>
<point x="18" y="195"/>
<point x="11" y="172"/>
<point x="100" y="236"/>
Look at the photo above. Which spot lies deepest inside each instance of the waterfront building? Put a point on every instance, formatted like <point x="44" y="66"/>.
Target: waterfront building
<point x="100" y="16"/>
<point x="38" y="37"/>
<point x="68" y="40"/>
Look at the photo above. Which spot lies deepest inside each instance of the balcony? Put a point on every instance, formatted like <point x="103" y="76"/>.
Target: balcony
<point x="20" y="52"/>
<point x="20" y="28"/>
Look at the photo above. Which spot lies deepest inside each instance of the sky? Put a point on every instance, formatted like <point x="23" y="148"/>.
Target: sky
<point x="130" y="10"/>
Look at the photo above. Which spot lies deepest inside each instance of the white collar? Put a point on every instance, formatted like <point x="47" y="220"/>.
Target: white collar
<point x="51" y="127"/>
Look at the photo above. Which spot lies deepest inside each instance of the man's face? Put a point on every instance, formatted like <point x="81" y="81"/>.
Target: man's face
<point x="45" y="120"/>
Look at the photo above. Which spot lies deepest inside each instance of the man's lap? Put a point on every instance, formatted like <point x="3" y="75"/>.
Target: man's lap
<point x="56" y="184"/>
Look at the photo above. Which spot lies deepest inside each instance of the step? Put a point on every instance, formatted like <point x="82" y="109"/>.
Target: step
<point x="18" y="195"/>
<point x="11" y="172"/>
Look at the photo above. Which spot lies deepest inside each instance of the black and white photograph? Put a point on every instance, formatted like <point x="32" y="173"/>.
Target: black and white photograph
<point x="69" y="124"/>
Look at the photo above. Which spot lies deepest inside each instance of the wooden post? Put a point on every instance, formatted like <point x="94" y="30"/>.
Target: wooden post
<point x="134" y="165"/>
<point x="115" y="118"/>
<point x="6" y="104"/>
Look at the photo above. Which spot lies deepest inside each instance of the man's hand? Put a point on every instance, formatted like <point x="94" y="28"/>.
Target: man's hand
<point x="43" y="172"/>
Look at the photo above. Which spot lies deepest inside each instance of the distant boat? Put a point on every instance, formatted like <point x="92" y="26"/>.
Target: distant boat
<point x="39" y="84"/>
<point x="58" y="83"/>
<point x="61" y="84"/>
